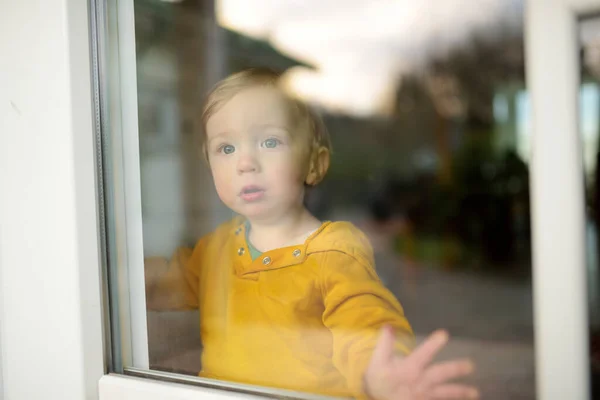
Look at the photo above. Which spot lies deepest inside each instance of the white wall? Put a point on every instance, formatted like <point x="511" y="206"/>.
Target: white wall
<point x="50" y="315"/>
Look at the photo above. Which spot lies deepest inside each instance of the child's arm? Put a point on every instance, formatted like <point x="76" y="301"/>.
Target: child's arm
<point x="357" y="307"/>
<point x="172" y="285"/>
<point x="389" y="376"/>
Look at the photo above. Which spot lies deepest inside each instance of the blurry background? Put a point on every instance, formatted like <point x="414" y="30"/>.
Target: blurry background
<point x="429" y="117"/>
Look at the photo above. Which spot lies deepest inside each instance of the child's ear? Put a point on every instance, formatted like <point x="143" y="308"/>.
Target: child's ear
<point x="318" y="167"/>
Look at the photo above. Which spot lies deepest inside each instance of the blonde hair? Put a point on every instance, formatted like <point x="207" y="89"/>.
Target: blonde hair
<point x="317" y="139"/>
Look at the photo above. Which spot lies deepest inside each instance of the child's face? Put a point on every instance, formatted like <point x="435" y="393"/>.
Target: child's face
<point x="254" y="160"/>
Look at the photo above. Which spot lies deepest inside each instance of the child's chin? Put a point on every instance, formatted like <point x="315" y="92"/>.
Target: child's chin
<point x="255" y="211"/>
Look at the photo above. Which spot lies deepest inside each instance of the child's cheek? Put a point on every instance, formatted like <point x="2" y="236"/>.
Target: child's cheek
<point x="222" y="182"/>
<point x="225" y="193"/>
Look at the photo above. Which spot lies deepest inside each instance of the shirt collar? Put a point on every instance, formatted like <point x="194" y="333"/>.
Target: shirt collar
<point x="269" y="260"/>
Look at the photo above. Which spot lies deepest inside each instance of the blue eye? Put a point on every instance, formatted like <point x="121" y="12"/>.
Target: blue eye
<point x="227" y="149"/>
<point x="271" y="143"/>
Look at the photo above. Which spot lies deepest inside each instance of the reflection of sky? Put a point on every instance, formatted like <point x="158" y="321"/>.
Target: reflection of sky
<point x="589" y="106"/>
<point x="589" y="110"/>
<point x="361" y="46"/>
<point x="523" y="122"/>
<point x="501" y="113"/>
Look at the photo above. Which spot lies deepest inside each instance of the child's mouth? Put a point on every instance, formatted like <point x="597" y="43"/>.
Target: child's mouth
<point x="252" y="193"/>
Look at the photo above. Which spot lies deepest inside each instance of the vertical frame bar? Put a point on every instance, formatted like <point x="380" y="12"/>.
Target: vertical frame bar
<point x="560" y="304"/>
<point x="122" y="189"/>
<point x="132" y="181"/>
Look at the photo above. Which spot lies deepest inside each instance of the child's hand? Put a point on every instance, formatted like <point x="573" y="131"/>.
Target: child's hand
<point x="413" y="377"/>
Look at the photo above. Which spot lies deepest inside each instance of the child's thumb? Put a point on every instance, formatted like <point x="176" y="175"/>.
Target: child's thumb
<point x="384" y="349"/>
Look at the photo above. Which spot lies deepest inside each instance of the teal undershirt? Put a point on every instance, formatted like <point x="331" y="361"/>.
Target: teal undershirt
<point x="254" y="252"/>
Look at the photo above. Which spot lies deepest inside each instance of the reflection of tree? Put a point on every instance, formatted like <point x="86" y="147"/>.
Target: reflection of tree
<point x="153" y="19"/>
<point x="248" y="52"/>
<point x="492" y="213"/>
<point x="477" y="193"/>
<point x="479" y="68"/>
<point x="493" y="201"/>
<point x="193" y="20"/>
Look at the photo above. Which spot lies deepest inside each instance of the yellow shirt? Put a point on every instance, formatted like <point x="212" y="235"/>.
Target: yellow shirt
<point x="303" y="317"/>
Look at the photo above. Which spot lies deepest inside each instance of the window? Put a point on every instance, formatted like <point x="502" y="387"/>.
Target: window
<point x="48" y="190"/>
<point x="589" y="33"/>
<point x="429" y="130"/>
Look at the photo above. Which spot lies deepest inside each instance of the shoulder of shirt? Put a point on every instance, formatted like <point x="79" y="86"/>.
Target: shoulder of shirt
<point x="342" y="237"/>
<point x="222" y="232"/>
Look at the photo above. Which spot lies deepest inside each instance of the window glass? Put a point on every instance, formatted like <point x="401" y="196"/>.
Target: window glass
<point x="411" y="211"/>
<point x="589" y="109"/>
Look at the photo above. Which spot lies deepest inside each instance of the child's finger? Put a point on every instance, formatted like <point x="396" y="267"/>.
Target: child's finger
<point x="384" y="349"/>
<point x="445" y="371"/>
<point x="425" y="352"/>
<point x="454" y="391"/>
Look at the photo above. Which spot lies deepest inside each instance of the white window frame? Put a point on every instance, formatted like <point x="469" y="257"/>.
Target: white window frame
<point x="559" y="273"/>
<point x="51" y="298"/>
<point x="50" y="315"/>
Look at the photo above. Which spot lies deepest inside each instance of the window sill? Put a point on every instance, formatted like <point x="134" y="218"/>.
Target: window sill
<point x="120" y="387"/>
<point x="153" y="385"/>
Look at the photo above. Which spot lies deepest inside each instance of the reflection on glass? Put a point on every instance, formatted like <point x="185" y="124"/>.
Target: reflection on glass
<point x="428" y="117"/>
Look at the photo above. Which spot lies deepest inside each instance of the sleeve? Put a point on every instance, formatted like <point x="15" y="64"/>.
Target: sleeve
<point x="357" y="306"/>
<point x="173" y="284"/>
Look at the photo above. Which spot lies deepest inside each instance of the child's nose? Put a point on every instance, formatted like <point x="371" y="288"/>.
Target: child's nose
<point x="247" y="162"/>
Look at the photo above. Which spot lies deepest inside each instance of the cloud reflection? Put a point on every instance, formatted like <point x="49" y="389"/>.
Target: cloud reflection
<point x="361" y="47"/>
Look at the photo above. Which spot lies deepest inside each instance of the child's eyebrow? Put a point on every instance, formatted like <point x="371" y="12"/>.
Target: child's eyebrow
<point x="218" y="136"/>
<point x="227" y="134"/>
<point x="272" y="126"/>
